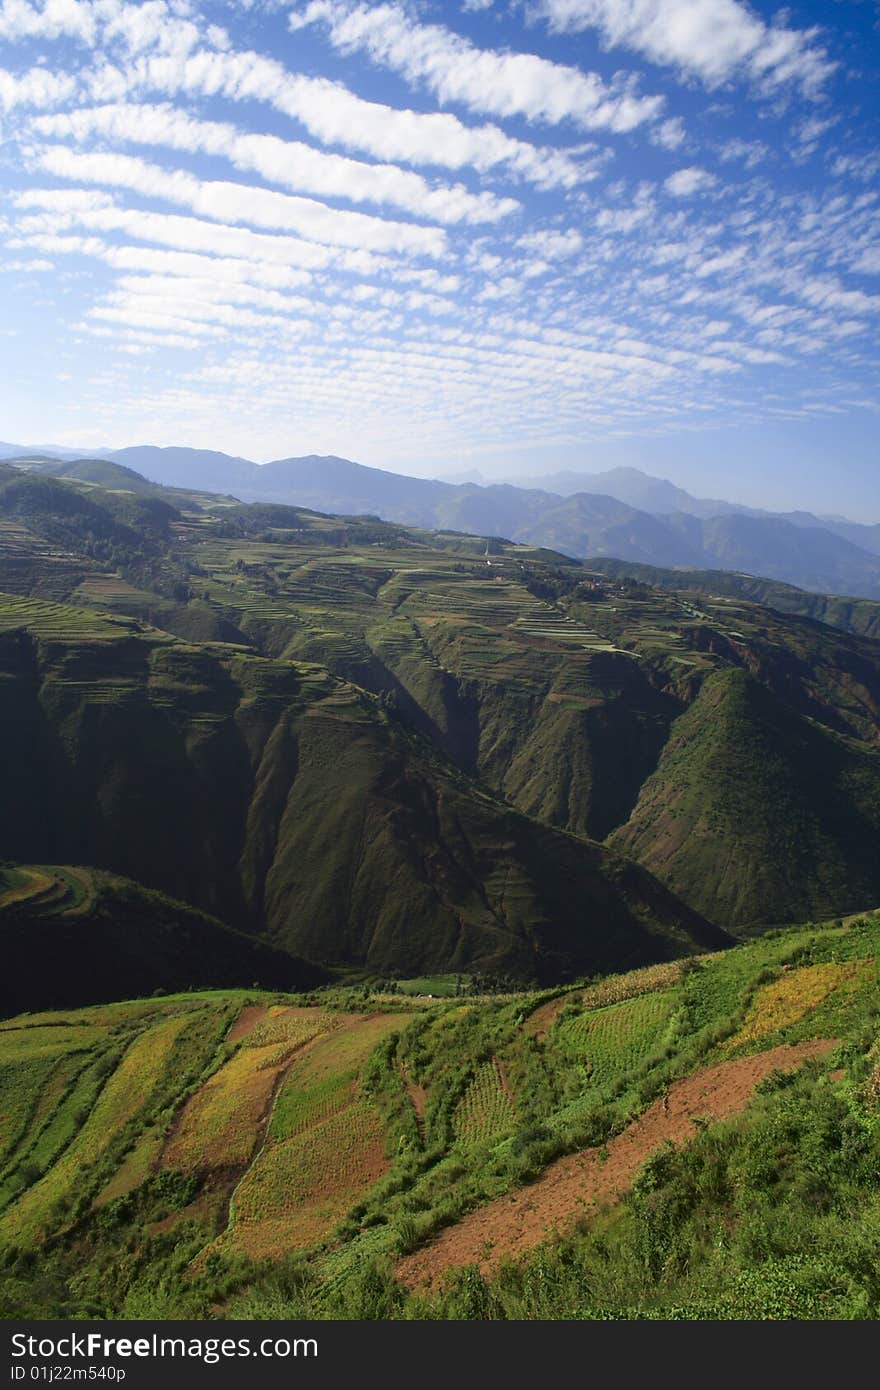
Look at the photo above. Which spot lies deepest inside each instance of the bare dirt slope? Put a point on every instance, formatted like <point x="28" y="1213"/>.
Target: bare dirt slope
<point x="582" y="1182"/>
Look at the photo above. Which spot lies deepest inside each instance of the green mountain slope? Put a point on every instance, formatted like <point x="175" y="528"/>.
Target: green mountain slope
<point x="284" y="800"/>
<point x="856" y="615"/>
<point x="751" y="805"/>
<point x="585" y="523"/>
<point x="552" y="687"/>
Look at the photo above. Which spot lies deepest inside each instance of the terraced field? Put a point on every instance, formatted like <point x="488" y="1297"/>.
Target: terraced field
<point x="130" y="1086"/>
<point x="280" y="1122"/>
<point x="60" y="623"/>
<point x="48" y="889"/>
<point x="301" y="1187"/>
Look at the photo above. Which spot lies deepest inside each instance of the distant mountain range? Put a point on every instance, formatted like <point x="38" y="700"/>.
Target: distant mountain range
<point x="622" y="513"/>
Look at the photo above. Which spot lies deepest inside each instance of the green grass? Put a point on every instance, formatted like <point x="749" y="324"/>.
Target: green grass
<point x="437" y="986"/>
<point x="301" y="1105"/>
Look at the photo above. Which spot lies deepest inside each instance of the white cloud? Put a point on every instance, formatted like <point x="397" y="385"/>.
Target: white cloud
<point x="157" y="47"/>
<point x="670" y="134"/>
<point x="190" y="265"/>
<point x="685" y="182"/>
<point x="864" y="167"/>
<point x="51" y="20"/>
<point x="485" y="80"/>
<point x="720" y="264"/>
<point x="751" y="152"/>
<point x="552" y="245"/>
<point x="287" y="162"/>
<point x="64" y="208"/>
<point x="36" y="88"/>
<point x="623" y="310"/>
<point x="868" y="262"/>
<point x="716" y="40"/>
<point x="232" y="202"/>
<point x="827" y="293"/>
<point x="36" y="266"/>
<point x="334" y="115"/>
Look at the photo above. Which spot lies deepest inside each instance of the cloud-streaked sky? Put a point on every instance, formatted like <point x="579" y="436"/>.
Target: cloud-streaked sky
<point x="503" y="234"/>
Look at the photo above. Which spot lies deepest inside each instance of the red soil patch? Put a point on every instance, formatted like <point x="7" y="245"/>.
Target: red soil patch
<point x="581" y="1182"/>
<point x="247" y="1020"/>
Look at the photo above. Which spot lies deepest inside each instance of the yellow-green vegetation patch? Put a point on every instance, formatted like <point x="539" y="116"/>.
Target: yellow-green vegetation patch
<point x="322" y="1082"/>
<point x="135" y="1168"/>
<point x="59" y="620"/>
<point x="18" y="885"/>
<point x="621" y="987"/>
<point x="288" y="1027"/>
<point x="45" y="1040"/>
<point x="126" y="1092"/>
<point x="21" y="1083"/>
<point x="785" y="1001"/>
<point x="486" y="1111"/>
<point x="302" y="1104"/>
<point x="76" y="1083"/>
<point x="218" y="1127"/>
<point x="299" y="1189"/>
<point x="28" y="1060"/>
<point x="46" y="1106"/>
<point x="350" y="1043"/>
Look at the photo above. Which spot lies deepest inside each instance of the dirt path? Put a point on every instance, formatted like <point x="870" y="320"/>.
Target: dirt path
<point x="419" y="1097"/>
<point x="541" y="1020"/>
<point x="503" y="1081"/>
<point x="247" y="1020"/>
<point x="581" y="1182"/>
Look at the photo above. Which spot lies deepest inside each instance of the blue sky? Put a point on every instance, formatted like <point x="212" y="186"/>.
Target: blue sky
<point x="504" y="236"/>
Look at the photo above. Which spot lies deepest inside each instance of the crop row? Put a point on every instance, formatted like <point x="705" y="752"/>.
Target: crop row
<point x="486" y="1111"/>
<point x="620" y="987"/>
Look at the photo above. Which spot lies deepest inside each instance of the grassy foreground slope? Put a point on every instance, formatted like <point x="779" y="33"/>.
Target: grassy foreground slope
<point x="696" y="1139"/>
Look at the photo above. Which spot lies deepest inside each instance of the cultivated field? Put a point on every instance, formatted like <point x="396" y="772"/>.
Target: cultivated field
<point x="367" y="1154"/>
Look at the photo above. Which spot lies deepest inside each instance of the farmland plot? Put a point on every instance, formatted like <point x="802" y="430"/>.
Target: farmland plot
<point x="614" y="1040"/>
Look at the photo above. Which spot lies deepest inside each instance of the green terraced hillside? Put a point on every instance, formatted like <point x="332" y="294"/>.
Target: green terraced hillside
<point x="73" y="935"/>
